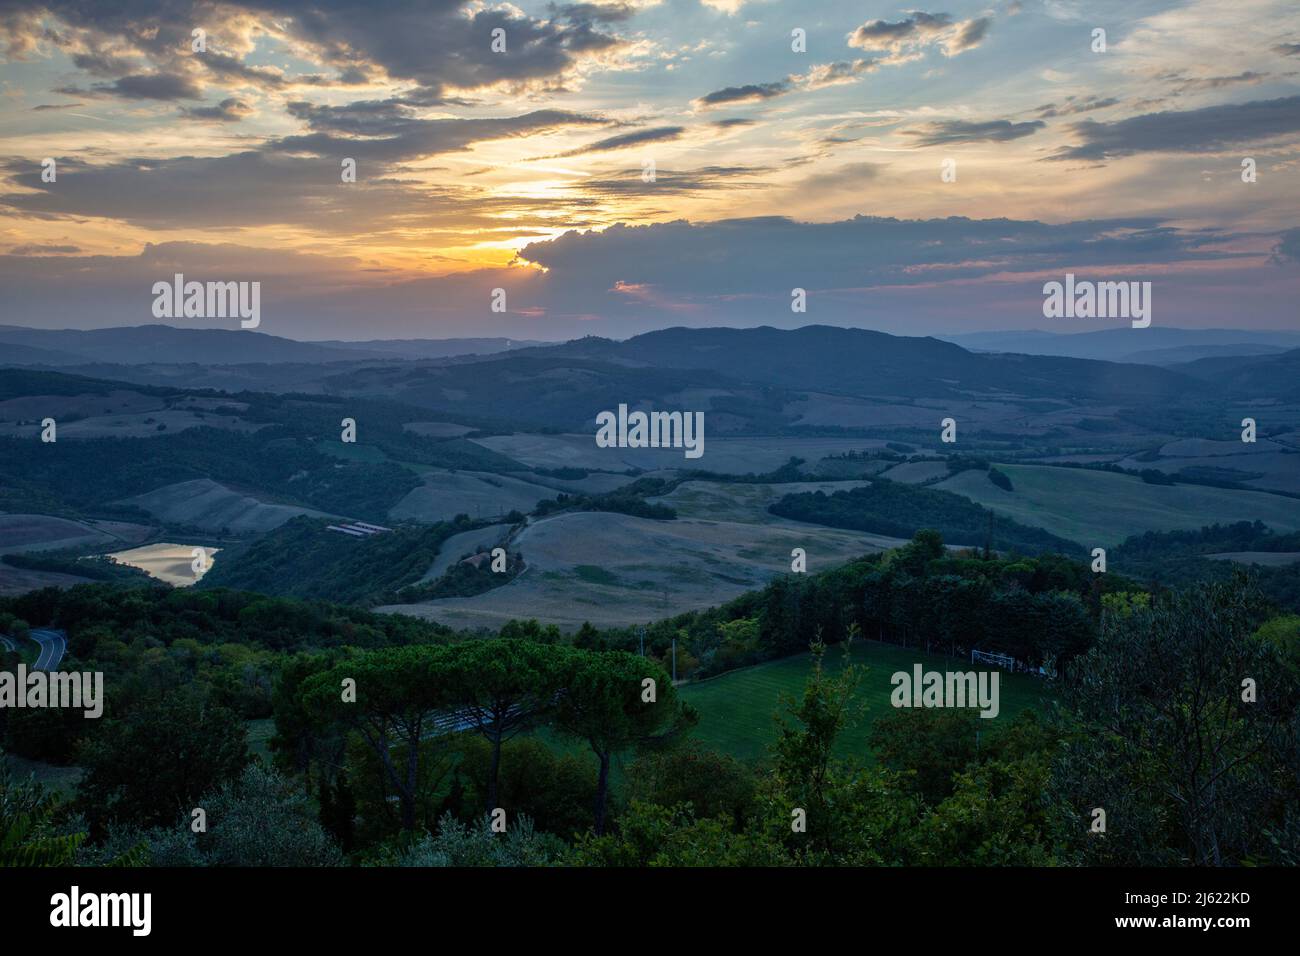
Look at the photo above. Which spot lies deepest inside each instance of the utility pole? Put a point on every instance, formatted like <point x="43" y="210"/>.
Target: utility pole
<point x="674" y="660"/>
<point x="641" y="633"/>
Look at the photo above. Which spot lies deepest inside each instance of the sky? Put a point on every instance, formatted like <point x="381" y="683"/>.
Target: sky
<point x="620" y="167"/>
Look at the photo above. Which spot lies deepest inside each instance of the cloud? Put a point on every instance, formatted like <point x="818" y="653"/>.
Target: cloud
<point x="901" y="275"/>
<point x="729" y="7"/>
<point x="908" y="39"/>
<point x="969" y="36"/>
<point x="883" y="35"/>
<point x="1288" y="247"/>
<point x="392" y="134"/>
<point x="248" y="189"/>
<point x="850" y="176"/>
<point x="439" y="47"/>
<point x="624" y="140"/>
<point x="1189" y="131"/>
<point x="1184" y="83"/>
<point x="230" y="110"/>
<point x="39" y="250"/>
<point x="818" y="77"/>
<point x="959" y="131"/>
<point x="764" y="254"/>
<point x="749" y="93"/>
<point x="593" y="12"/>
<point x="1073" y="105"/>
<point x="833" y="74"/>
<point x="670" y="182"/>
<point x="143" y="86"/>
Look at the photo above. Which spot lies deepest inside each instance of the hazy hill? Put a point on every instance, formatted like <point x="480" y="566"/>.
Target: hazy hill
<point x="864" y="362"/>
<point x="143" y="344"/>
<point x="14" y="354"/>
<point x="752" y="380"/>
<point x="1145" y="346"/>
<point x="1190" y="353"/>
<point x="1271" y="376"/>
<point x="165" y="344"/>
<point x="431" y="348"/>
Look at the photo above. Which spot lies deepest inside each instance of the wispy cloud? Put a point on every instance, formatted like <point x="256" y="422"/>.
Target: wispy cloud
<point x="1188" y="131"/>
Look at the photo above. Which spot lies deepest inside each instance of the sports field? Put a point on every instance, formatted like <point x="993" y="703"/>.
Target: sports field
<point x="736" y="709"/>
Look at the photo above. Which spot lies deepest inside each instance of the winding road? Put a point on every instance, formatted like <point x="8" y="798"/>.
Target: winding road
<point x="53" y="645"/>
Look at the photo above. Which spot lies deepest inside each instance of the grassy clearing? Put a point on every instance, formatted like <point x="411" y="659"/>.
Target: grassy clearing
<point x="736" y="709"/>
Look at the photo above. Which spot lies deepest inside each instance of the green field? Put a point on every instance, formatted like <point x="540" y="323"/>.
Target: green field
<point x="736" y="709"/>
<point x="1098" y="508"/>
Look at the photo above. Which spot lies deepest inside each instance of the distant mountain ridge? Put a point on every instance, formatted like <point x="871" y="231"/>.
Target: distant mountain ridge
<point x="1256" y="376"/>
<point x="433" y="348"/>
<point x="165" y="344"/>
<point x="1154" y="346"/>
<point x="866" y="362"/>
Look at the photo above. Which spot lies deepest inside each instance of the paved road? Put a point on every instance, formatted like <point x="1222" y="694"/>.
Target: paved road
<point x="53" y="645"/>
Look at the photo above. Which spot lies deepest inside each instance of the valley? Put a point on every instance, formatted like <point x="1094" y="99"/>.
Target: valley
<point x="496" y="438"/>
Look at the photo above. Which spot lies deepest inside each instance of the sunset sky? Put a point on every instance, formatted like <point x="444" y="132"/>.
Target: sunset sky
<point x="774" y="169"/>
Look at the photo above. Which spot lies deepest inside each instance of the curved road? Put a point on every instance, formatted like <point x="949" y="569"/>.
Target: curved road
<point x="53" y="646"/>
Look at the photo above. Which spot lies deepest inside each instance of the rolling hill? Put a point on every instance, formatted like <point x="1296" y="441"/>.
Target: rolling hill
<point x="1152" y="346"/>
<point x="865" y="362"/>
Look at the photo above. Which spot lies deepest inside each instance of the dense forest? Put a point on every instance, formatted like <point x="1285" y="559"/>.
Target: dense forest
<point x="1176" y="558"/>
<point x="440" y="731"/>
<point x="1038" y="609"/>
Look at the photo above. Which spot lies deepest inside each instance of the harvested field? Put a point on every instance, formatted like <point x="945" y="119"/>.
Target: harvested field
<point x="23" y="532"/>
<point x="172" y="563"/>
<point x="1101" y="508"/>
<point x="445" y="494"/>
<point x="209" y="505"/>
<point x="15" y="581"/>
<point x="614" y="569"/>
<point x="465" y="543"/>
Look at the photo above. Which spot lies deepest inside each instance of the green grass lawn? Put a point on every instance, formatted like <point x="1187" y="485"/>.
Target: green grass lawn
<point x="736" y="709"/>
